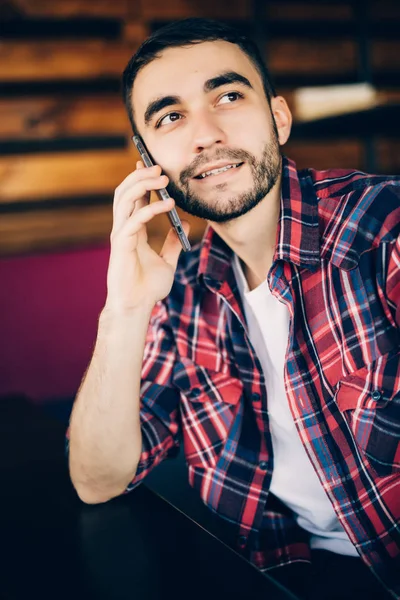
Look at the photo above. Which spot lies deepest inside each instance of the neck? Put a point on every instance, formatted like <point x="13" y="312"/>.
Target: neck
<point x="253" y="236"/>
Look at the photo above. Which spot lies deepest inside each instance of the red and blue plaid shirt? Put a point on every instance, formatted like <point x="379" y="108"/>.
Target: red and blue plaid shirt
<point x="337" y="269"/>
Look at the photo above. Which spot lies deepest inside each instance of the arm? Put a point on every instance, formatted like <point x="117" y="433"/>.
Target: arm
<point x="105" y="438"/>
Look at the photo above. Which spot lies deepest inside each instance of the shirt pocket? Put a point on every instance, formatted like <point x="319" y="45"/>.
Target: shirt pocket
<point x="369" y="399"/>
<point x="209" y="404"/>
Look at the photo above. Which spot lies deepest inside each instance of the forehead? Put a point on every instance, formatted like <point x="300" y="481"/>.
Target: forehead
<point x="182" y="71"/>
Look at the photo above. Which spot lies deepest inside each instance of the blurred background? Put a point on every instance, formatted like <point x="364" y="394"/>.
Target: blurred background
<point x="64" y="146"/>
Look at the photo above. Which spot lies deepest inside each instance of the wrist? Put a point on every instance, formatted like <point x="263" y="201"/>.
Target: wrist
<point x="116" y="314"/>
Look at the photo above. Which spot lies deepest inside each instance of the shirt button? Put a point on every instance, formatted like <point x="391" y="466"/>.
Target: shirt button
<point x="196" y="391"/>
<point x="242" y="539"/>
<point x="376" y="395"/>
<point x="256" y="397"/>
<point x="263" y="465"/>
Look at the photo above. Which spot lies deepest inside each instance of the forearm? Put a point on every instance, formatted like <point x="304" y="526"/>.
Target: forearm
<point x="105" y="438"/>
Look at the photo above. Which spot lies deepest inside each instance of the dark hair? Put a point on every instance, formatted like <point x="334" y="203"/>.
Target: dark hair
<point x="185" y="33"/>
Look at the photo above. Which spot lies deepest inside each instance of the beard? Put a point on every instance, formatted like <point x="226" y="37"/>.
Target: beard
<point x="220" y="208"/>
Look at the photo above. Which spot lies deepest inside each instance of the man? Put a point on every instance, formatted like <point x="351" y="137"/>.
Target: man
<point x="272" y="348"/>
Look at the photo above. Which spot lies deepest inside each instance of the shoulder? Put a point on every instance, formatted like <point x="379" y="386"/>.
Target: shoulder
<point x="357" y="212"/>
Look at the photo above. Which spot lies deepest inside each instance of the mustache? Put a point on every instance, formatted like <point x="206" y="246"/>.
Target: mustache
<point x="236" y="155"/>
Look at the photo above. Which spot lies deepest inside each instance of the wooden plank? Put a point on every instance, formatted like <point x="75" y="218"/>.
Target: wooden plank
<point x="59" y="116"/>
<point x="331" y="154"/>
<point x="159" y="10"/>
<point x="41" y="177"/>
<point x="62" y="116"/>
<point x="384" y="96"/>
<point x="388" y="156"/>
<point x="385" y="54"/>
<point x="135" y="30"/>
<point x="118" y="9"/>
<point x="47" y="60"/>
<point x="57" y="175"/>
<point x="389" y="95"/>
<point x="384" y="9"/>
<point x="310" y="57"/>
<point x="307" y="11"/>
<point x="68" y="227"/>
<point x="40" y="230"/>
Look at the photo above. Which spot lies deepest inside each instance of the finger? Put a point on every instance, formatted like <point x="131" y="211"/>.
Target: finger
<point x="144" y="215"/>
<point x="140" y="192"/>
<point x="120" y="195"/>
<point x="146" y="199"/>
<point x="172" y="246"/>
<point x="138" y="174"/>
<point x="142" y="234"/>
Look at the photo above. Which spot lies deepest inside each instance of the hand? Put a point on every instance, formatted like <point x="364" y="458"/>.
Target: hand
<point x="138" y="276"/>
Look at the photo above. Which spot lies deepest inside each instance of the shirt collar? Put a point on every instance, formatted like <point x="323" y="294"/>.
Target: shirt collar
<point x="297" y="238"/>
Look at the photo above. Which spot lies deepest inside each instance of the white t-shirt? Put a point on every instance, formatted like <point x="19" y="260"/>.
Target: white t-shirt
<point x="294" y="480"/>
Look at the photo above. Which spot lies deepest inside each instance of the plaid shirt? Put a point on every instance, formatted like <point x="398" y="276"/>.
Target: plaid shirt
<point x="337" y="269"/>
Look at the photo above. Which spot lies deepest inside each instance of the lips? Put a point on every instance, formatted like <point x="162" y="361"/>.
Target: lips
<point x="217" y="169"/>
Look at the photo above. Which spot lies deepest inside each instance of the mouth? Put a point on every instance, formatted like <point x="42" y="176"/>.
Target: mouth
<point x="218" y="171"/>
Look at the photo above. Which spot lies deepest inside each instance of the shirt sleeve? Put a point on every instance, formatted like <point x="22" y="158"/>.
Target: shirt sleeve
<point x="159" y="399"/>
<point x="393" y="281"/>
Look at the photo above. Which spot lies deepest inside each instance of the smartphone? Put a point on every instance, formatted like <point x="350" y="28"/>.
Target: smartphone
<point x="163" y="195"/>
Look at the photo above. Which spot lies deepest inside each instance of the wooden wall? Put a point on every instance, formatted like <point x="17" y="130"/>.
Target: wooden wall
<point x="64" y="135"/>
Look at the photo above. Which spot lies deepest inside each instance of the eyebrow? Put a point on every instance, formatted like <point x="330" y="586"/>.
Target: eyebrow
<point x="225" y="79"/>
<point x="162" y="102"/>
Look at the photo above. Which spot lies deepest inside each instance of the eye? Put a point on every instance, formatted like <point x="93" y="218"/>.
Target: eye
<point x="174" y="116"/>
<point x="230" y="97"/>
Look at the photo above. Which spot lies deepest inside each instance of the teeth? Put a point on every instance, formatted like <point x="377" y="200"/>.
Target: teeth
<point x="216" y="171"/>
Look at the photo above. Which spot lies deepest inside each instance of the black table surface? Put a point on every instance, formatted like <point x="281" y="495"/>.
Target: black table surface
<point x="137" y="546"/>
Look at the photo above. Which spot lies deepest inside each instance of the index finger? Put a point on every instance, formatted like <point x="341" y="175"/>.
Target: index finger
<point x="139" y="173"/>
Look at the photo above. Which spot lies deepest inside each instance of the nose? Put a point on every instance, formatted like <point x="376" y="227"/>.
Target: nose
<point x="206" y="132"/>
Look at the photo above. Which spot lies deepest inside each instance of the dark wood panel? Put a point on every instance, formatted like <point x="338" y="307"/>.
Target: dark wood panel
<point x="388" y="156"/>
<point x="73" y="8"/>
<point x="309" y="57"/>
<point x="37" y="177"/>
<point x="157" y="10"/>
<point x="343" y="153"/>
<point x="384" y="10"/>
<point x="389" y="95"/>
<point x="308" y="11"/>
<point x="385" y="54"/>
<point x="62" y="60"/>
<point x="62" y="116"/>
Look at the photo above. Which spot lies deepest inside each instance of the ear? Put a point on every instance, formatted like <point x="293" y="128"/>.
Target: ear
<point x="283" y="118"/>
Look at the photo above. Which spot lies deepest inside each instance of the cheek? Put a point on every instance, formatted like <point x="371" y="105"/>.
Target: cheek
<point x="250" y="131"/>
<point x="169" y="159"/>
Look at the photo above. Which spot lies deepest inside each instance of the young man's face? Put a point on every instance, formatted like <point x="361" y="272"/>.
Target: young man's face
<point x="203" y="114"/>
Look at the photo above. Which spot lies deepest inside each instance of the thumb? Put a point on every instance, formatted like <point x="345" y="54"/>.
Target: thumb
<point x="172" y="246"/>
